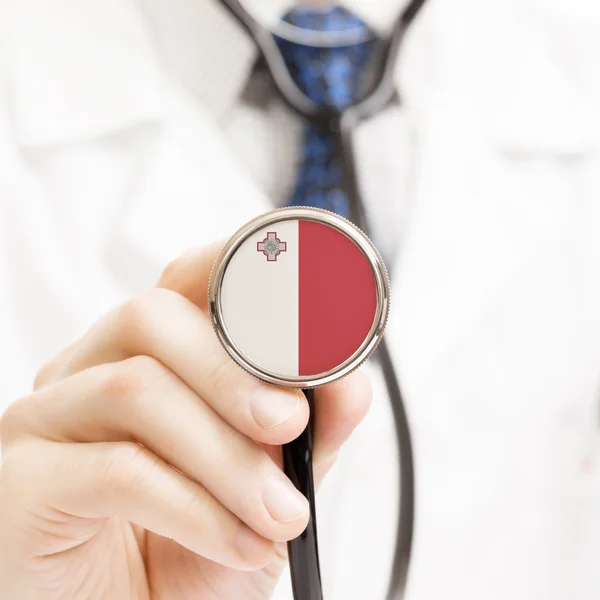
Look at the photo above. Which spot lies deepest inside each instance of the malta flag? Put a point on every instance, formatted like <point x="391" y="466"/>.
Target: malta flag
<point x="298" y="298"/>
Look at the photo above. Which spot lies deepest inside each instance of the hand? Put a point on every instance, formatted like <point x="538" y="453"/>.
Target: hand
<point x="146" y="463"/>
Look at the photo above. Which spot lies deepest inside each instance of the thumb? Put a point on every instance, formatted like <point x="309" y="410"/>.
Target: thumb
<point x="188" y="275"/>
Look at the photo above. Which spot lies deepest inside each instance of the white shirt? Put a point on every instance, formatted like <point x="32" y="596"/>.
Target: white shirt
<point x="128" y="133"/>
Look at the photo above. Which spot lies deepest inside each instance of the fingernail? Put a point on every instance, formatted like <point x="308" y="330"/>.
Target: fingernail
<point x="283" y="501"/>
<point x="253" y="548"/>
<point x="271" y="408"/>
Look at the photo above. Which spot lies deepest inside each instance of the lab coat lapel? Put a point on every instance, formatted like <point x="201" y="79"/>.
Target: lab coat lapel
<point x="193" y="191"/>
<point x="205" y="47"/>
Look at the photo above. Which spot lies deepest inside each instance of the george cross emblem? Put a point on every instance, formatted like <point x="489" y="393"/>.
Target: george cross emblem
<point x="271" y="246"/>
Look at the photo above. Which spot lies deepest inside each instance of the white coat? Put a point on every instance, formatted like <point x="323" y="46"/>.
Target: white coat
<point x="129" y="132"/>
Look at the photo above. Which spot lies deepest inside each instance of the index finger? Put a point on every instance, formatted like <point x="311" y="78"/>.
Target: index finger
<point x="341" y="406"/>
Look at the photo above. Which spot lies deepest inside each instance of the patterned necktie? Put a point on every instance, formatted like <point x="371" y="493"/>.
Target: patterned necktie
<point x="330" y="77"/>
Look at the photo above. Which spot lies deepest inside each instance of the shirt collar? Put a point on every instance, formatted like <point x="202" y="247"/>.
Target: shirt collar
<point x="83" y="68"/>
<point x="378" y="14"/>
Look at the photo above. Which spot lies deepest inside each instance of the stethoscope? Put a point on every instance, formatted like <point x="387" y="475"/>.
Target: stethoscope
<point x="303" y="551"/>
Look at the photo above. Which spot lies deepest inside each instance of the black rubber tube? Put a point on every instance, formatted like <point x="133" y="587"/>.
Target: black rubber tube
<point x="304" y="550"/>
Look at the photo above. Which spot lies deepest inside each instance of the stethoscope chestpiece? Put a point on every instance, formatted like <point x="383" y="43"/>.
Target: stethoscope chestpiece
<point x="299" y="297"/>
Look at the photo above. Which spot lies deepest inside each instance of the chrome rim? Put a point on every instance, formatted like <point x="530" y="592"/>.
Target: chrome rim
<point x="345" y="227"/>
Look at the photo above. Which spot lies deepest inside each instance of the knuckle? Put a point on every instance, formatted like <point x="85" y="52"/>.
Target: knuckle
<point x="50" y="370"/>
<point x="134" y="318"/>
<point x="171" y="271"/>
<point x="128" y="381"/>
<point x="201" y="506"/>
<point x="137" y="319"/>
<point x="7" y="420"/>
<point x="125" y="467"/>
<point x="12" y="419"/>
<point x="10" y="461"/>
<point x="229" y="381"/>
<point x="221" y="375"/>
<point x="146" y="367"/>
<point x="43" y="375"/>
<point x="233" y="448"/>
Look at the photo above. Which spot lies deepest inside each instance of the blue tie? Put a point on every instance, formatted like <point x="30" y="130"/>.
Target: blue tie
<point x="330" y="77"/>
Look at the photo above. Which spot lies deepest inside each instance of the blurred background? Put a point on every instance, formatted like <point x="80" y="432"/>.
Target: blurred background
<point x="132" y="130"/>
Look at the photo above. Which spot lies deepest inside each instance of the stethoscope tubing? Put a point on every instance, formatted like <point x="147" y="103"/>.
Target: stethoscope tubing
<point x="297" y="456"/>
<point x="303" y="551"/>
